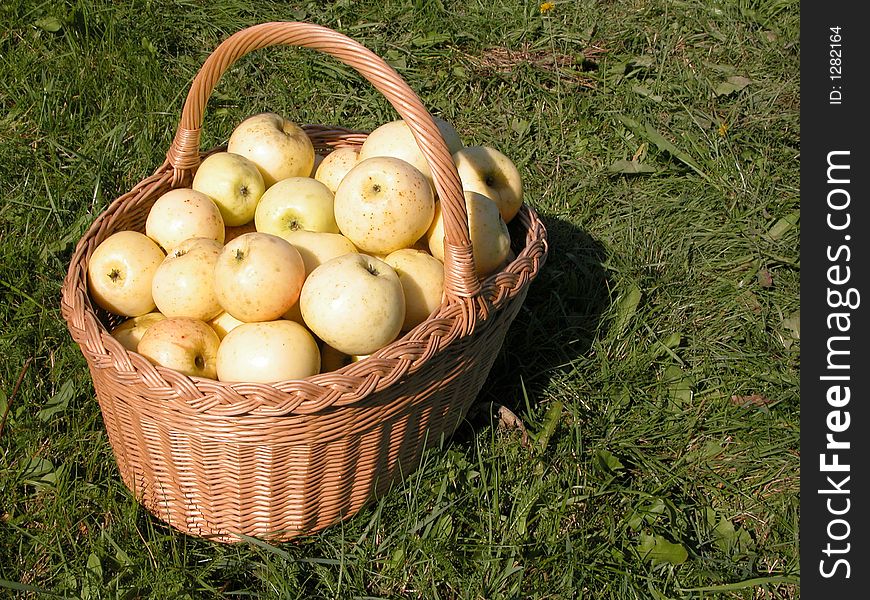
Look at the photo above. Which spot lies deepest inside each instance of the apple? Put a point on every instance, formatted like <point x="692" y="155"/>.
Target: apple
<point x="258" y="277"/>
<point x="295" y="204"/>
<point x="335" y="166"/>
<point x="278" y="146"/>
<point x="183" y="285"/>
<point x="131" y="331"/>
<point x="186" y="345"/>
<point x="224" y="323"/>
<point x="233" y="183"/>
<point x="318" y="247"/>
<point x="268" y="352"/>
<point x="384" y="204"/>
<point x="422" y="278"/>
<point x="353" y="303"/>
<point x="487" y="171"/>
<point x="181" y="214"/>
<point x="120" y="271"/>
<point x="490" y="239"/>
<point x="396" y="139"/>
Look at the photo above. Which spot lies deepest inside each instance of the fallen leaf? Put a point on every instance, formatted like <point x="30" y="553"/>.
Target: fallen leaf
<point x="657" y="549"/>
<point x="793" y="324"/>
<point x="507" y="419"/>
<point x="630" y="167"/>
<point x="751" y="400"/>
<point x="626" y="307"/>
<point x="49" y="24"/>
<point x="733" y="84"/>
<point x="608" y="462"/>
<point x="765" y="279"/>
<point x="783" y="225"/>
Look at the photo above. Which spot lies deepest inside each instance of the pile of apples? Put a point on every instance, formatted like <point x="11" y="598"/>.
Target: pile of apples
<point x="277" y="263"/>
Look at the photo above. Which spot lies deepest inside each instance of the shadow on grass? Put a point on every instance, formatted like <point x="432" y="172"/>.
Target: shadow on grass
<point x="560" y="319"/>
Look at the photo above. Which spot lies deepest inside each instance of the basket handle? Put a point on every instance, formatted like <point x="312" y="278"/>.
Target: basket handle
<point x="460" y="281"/>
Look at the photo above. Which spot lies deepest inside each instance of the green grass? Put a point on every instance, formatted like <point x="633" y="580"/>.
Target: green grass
<point x="655" y="363"/>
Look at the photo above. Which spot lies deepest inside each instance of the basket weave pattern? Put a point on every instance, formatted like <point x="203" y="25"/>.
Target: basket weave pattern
<point x="275" y="461"/>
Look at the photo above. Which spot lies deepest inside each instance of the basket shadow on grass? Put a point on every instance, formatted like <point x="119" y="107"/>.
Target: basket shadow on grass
<point x="557" y="324"/>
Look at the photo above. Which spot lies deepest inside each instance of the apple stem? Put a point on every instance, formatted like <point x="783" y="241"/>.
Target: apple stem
<point x="239" y="255"/>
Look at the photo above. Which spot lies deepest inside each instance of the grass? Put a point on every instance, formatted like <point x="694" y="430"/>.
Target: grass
<point x="655" y="363"/>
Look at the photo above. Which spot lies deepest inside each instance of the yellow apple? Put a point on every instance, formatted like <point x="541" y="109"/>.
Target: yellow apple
<point x="490" y="239"/>
<point x="335" y="166"/>
<point x="396" y="139"/>
<point x="186" y="345"/>
<point x="183" y="285"/>
<point x="384" y="204"/>
<point x="268" y="352"/>
<point x="258" y="277"/>
<point x="181" y="214"/>
<point x="278" y="146"/>
<point x="233" y="183"/>
<point x="487" y="171"/>
<point x="120" y="271"/>
<point x="318" y="247"/>
<point x="224" y="323"/>
<point x="422" y="278"/>
<point x="353" y="303"/>
<point x="296" y="204"/>
<point x="131" y="331"/>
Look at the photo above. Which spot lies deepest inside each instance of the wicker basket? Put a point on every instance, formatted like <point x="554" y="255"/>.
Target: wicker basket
<point x="276" y="461"/>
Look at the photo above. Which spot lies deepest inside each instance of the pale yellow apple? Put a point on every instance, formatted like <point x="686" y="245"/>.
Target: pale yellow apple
<point x="181" y="214"/>
<point x="258" y="277"/>
<point x="120" y="271"/>
<point x="296" y="204"/>
<point x="189" y="346"/>
<point x="354" y="303"/>
<point x="490" y="239"/>
<point x="131" y="331"/>
<point x="422" y="278"/>
<point x="268" y="352"/>
<point x="318" y="247"/>
<point x="396" y="139"/>
<point x="384" y="204"/>
<point x="183" y="285"/>
<point x="487" y="171"/>
<point x="335" y="166"/>
<point x="233" y="183"/>
<point x="278" y="146"/>
<point x="224" y="323"/>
